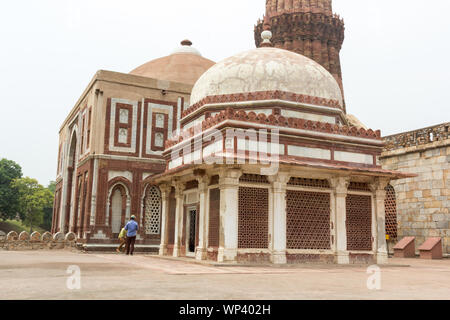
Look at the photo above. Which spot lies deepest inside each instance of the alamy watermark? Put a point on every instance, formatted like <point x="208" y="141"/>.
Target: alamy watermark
<point x="74" y="280"/>
<point x="374" y="280"/>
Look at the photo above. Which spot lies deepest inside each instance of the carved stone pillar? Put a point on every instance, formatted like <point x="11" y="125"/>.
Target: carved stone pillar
<point x="201" y="252"/>
<point x="379" y="220"/>
<point x="229" y="214"/>
<point x="165" y="194"/>
<point x="340" y="189"/>
<point x="179" y="188"/>
<point x="279" y="185"/>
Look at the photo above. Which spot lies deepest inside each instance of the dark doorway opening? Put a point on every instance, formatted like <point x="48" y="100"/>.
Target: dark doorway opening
<point x="192" y="229"/>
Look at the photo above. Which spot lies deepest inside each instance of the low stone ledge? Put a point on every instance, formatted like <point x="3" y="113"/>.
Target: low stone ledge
<point x="47" y="241"/>
<point x="431" y="249"/>
<point x="405" y="248"/>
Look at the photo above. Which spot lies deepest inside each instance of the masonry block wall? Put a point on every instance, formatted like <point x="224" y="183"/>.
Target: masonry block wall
<point x="423" y="203"/>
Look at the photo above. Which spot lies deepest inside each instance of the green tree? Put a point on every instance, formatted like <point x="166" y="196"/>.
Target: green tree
<point x="48" y="211"/>
<point x="33" y="199"/>
<point x="52" y="186"/>
<point x="9" y="171"/>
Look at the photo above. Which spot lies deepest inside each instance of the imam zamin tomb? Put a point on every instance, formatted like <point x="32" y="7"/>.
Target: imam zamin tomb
<point x="251" y="159"/>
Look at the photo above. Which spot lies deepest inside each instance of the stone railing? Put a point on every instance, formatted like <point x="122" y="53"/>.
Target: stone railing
<point x="418" y="137"/>
<point x="36" y="241"/>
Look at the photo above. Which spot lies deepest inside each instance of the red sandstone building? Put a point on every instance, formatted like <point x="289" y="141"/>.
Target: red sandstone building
<point x="123" y="151"/>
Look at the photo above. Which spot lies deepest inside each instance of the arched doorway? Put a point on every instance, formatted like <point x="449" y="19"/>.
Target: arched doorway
<point x="71" y="172"/>
<point x="152" y="211"/>
<point x="118" y="208"/>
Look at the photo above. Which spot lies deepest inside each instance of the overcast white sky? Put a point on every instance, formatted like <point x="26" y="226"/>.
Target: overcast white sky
<point x="395" y="59"/>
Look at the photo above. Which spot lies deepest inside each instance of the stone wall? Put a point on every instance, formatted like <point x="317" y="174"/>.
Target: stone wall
<point x="423" y="205"/>
<point x="23" y="241"/>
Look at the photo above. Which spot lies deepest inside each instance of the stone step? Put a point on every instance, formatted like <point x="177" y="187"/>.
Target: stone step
<point x="138" y="248"/>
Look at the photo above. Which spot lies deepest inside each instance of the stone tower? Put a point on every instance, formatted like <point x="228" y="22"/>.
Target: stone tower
<point x="308" y="27"/>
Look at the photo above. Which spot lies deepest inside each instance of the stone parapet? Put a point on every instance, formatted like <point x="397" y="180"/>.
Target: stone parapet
<point x="22" y="242"/>
<point x="412" y="141"/>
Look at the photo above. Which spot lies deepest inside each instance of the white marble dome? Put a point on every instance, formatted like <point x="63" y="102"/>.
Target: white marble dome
<point x="267" y="69"/>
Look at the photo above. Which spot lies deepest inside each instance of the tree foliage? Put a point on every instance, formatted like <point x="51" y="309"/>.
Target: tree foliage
<point x="33" y="199"/>
<point x="9" y="203"/>
<point x="48" y="211"/>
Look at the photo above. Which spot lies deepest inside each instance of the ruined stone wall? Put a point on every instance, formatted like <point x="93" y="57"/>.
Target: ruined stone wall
<point x="423" y="204"/>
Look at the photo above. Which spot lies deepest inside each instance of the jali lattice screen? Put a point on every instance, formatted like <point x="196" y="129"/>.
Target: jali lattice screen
<point x="359" y="222"/>
<point x="214" y="217"/>
<point x="152" y="210"/>
<point x="391" y="212"/>
<point x="308" y="220"/>
<point x="253" y="218"/>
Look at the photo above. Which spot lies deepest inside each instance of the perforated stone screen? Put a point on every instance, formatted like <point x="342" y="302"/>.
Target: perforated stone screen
<point x="391" y="212"/>
<point x="214" y="218"/>
<point x="311" y="183"/>
<point x="253" y="218"/>
<point x="308" y="220"/>
<point x="253" y="178"/>
<point x="359" y="186"/>
<point x="152" y="210"/>
<point x="359" y="222"/>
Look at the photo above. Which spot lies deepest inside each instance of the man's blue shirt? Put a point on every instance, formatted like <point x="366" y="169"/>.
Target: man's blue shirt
<point x="132" y="227"/>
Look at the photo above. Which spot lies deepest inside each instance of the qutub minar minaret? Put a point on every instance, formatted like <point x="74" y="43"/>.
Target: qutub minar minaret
<point x="307" y="27"/>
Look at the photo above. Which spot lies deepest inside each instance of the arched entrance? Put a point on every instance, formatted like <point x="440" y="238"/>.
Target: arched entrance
<point x="71" y="172"/>
<point x="118" y="208"/>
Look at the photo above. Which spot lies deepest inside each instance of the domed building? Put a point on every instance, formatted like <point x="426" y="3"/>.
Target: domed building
<point x="252" y="159"/>
<point x="185" y="64"/>
<point x="266" y="168"/>
<point x="112" y="142"/>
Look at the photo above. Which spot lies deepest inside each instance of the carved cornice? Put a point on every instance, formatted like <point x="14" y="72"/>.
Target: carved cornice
<point x="260" y="96"/>
<point x="279" y="121"/>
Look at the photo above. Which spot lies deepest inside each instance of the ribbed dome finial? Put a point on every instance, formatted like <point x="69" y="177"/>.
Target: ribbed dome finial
<point x="266" y="35"/>
<point x="186" y="42"/>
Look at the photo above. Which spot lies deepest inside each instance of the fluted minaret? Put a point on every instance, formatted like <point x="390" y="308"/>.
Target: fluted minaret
<point x="308" y="27"/>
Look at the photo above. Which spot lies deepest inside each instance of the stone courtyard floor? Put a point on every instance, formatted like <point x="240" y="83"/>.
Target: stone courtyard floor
<point x="43" y="275"/>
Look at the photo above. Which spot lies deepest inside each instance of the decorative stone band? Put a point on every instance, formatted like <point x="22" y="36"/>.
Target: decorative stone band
<point x="315" y="22"/>
<point x="418" y="137"/>
<point x="275" y="7"/>
<point x="280" y="121"/>
<point x="306" y="13"/>
<point x="263" y="95"/>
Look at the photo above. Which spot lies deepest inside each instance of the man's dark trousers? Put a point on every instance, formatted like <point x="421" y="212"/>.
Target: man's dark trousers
<point x="130" y="245"/>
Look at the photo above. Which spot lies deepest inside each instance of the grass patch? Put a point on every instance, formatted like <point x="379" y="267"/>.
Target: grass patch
<point x="17" y="226"/>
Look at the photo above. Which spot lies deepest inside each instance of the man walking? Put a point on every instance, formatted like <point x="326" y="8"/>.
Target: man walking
<point x="132" y="228"/>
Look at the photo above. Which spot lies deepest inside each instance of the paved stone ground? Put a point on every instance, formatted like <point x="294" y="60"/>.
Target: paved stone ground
<point x="43" y="275"/>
